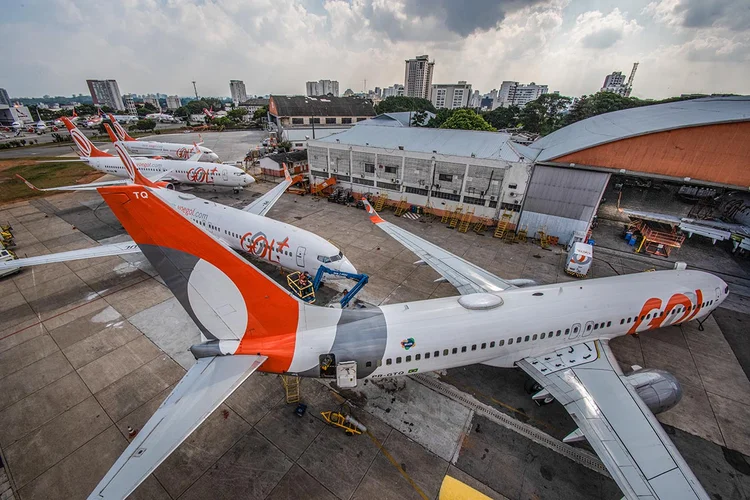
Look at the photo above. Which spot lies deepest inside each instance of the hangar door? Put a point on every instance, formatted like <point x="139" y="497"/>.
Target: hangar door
<point x="562" y="199"/>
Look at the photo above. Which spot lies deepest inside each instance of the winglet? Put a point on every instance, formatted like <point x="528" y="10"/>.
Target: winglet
<point x="374" y="217"/>
<point x="111" y="134"/>
<point x="135" y="175"/>
<point x="85" y="147"/>
<point x="287" y="177"/>
<point x="31" y="186"/>
<point x="122" y="135"/>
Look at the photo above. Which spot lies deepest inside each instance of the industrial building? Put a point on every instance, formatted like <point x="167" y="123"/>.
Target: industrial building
<point x="173" y="102"/>
<point x="273" y="165"/>
<point x="439" y="168"/>
<point x="106" y="93"/>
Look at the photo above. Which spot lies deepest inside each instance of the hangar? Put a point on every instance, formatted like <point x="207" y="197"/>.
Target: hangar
<point x="695" y="142"/>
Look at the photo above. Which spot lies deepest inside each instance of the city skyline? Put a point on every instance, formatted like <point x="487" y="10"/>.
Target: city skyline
<point x="682" y="46"/>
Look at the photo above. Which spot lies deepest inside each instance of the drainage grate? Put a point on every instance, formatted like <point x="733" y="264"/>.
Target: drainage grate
<point x="577" y="455"/>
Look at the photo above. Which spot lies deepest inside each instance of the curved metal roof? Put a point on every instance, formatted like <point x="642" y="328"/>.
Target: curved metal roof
<point x="396" y="119"/>
<point x="632" y="122"/>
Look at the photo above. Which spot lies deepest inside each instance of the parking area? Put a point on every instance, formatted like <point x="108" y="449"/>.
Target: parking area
<point x="89" y="349"/>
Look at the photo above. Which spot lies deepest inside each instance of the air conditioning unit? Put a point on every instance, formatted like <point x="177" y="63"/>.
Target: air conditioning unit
<point x="492" y="198"/>
<point x="362" y="175"/>
<point x="397" y="181"/>
<point x="455" y="191"/>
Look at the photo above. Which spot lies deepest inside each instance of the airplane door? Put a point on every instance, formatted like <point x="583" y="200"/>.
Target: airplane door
<point x="300" y="256"/>
<point x="575" y="331"/>
<point x="718" y="294"/>
<point x="587" y="329"/>
<point x="224" y="175"/>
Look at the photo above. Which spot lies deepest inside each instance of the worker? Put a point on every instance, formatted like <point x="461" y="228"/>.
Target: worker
<point x="303" y="280"/>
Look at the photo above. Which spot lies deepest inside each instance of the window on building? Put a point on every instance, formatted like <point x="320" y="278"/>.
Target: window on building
<point x="445" y="177"/>
<point x="391" y="170"/>
<point x="316" y="120"/>
<point x="330" y="121"/>
<point x="298" y="121"/>
<point x="346" y="120"/>
<point x="361" y="118"/>
<point x="370" y="168"/>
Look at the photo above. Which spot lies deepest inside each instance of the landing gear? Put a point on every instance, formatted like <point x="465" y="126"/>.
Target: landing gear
<point x="236" y="190"/>
<point x="540" y="396"/>
<point x="532" y="386"/>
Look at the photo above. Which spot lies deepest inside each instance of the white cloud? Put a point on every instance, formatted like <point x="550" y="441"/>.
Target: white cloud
<point x="594" y="30"/>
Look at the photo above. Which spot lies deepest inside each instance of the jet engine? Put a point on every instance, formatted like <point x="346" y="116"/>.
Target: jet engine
<point x="660" y="390"/>
<point x="167" y="185"/>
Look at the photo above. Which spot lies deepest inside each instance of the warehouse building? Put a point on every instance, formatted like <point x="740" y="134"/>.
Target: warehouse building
<point x="440" y="168"/>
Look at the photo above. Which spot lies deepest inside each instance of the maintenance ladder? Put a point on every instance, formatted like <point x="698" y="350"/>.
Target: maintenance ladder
<point x="481" y="225"/>
<point x="502" y="225"/>
<point x="291" y="387"/>
<point x="380" y="202"/>
<point x="402" y="207"/>
<point x="463" y="226"/>
<point x="543" y="237"/>
<point x="455" y="216"/>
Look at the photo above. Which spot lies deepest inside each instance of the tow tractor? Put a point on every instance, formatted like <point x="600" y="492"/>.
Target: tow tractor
<point x="306" y="289"/>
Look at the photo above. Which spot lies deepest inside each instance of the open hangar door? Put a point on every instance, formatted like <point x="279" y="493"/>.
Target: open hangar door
<point x="564" y="200"/>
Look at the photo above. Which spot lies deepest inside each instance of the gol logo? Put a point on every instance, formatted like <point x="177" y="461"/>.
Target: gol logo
<point x="408" y="343"/>
<point x="676" y="300"/>
<point x="201" y="174"/>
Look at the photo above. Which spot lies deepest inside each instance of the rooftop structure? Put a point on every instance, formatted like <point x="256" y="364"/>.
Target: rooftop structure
<point x="397" y="119"/>
<point x="291" y="111"/>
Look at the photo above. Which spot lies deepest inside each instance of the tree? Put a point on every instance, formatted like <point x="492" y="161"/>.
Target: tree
<point x="145" y="125"/>
<point x="237" y="115"/>
<point x="150" y="108"/>
<point x="467" y="119"/>
<point x="543" y="115"/>
<point x="503" y="117"/>
<point x="284" y="146"/>
<point x="419" y="119"/>
<point x="260" y="113"/>
<point x="221" y="121"/>
<point x="440" y="117"/>
<point x="395" y="104"/>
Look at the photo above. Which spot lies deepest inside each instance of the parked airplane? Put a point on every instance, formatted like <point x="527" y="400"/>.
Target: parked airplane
<point x="168" y="172"/>
<point x="73" y="119"/>
<point x="123" y="118"/>
<point x="162" y="117"/>
<point x="246" y="229"/>
<point x="557" y="333"/>
<point x="95" y="120"/>
<point x="209" y="113"/>
<point x="165" y="149"/>
<point x="40" y="127"/>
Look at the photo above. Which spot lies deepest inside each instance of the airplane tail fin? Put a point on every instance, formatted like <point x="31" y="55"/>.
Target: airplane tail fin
<point x="75" y="115"/>
<point x="112" y="136"/>
<point x="86" y="148"/>
<point x="120" y="131"/>
<point x="135" y="175"/>
<point x="229" y="299"/>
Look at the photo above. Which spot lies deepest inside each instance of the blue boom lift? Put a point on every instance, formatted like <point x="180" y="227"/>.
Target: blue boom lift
<point x="361" y="280"/>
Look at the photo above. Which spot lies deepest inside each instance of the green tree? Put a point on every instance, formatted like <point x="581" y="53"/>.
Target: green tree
<point x="395" y="104"/>
<point x="544" y="115"/>
<point x="503" y="117"/>
<point x="260" y="113"/>
<point x="145" y="125"/>
<point x="238" y="114"/>
<point x="221" y="121"/>
<point x="284" y="146"/>
<point x="467" y="119"/>
<point x="440" y="117"/>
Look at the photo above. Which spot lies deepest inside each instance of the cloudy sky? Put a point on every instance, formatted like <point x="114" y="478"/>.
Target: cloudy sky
<point x="683" y="46"/>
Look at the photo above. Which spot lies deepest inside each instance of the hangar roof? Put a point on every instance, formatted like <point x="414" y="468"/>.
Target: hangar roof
<point x="396" y="119"/>
<point x="632" y="122"/>
<point x="488" y="145"/>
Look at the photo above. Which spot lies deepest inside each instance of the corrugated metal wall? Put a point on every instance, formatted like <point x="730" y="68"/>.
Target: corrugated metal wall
<point x="563" y="199"/>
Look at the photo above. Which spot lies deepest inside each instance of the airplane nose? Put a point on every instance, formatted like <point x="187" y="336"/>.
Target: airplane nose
<point x="248" y="179"/>
<point x="347" y="266"/>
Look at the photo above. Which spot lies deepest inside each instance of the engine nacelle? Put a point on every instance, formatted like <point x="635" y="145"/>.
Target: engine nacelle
<point x="167" y="185"/>
<point x="660" y="390"/>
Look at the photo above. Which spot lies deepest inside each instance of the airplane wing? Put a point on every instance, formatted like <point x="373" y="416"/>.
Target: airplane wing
<point x="78" y="187"/>
<point x="115" y="249"/>
<point x="262" y="205"/>
<point x="586" y="379"/>
<point x="464" y="275"/>
<point x="203" y="388"/>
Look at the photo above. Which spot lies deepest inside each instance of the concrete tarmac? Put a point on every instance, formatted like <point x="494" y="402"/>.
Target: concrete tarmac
<point x="91" y="348"/>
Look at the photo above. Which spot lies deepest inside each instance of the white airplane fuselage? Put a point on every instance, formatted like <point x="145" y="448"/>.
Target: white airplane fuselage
<point x="438" y="334"/>
<point x="266" y="239"/>
<point x="168" y="150"/>
<point x="183" y="172"/>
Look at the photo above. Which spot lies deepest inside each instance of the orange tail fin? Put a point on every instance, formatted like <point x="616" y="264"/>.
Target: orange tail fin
<point x="135" y="175"/>
<point x="119" y="130"/>
<point x="85" y="147"/>
<point x="111" y="134"/>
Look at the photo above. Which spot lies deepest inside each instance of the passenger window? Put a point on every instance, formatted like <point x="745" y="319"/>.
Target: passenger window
<point x="526" y="338"/>
<point x="622" y="321"/>
<point x="455" y="350"/>
<point x="398" y="360"/>
<point x="648" y="316"/>
<point x="474" y="347"/>
<point x="510" y="341"/>
<point x="426" y="355"/>
<point x="492" y="344"/>
<point x="518" y="340"/>
<point x="575" y="330"/>
<point x="534" y="337"/>
<point x="628" y="320"/>
<point x="445" y="352"/>
<point x="437" y="354"/>
<point x="558" y="333"/>
<point x="643" y="317"/>
<point x="588" y="327"/>
<point x="543" y="334"/>
<point x="408" y="359"/>
<point x="484" y="345"/>
<point x="601" y="325"/>
<point x="501" y="343"/>
<point x="609" y="323"/>
<point x="368" y="364"/>
<point x="463" y="349"/>
<point x="596" y="326"/>
<point x="417" y="357"/>
<point x="388" y="361"/>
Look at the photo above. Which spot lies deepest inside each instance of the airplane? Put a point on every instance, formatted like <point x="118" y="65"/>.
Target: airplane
<point x="168" y="172"/>
<point x="40" y="127"/>
<point x="246" y="230"/>
<point x="123" y="118"/>
<point x="95" y="120"/>
<point x="162" y="117"/>
<point x="559" y="334"/>
<point x="73" y="119"/>
<point x="164" y="149"/>
<point x="209" y="113"/>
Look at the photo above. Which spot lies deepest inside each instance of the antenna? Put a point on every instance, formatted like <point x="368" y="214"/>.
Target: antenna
<point x="195" y="89"/>
<point x="632" y="77"/>
<point x="365" y="87"/>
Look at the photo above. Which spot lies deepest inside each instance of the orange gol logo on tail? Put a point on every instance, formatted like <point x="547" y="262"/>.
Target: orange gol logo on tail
<point x="676" y="300"/>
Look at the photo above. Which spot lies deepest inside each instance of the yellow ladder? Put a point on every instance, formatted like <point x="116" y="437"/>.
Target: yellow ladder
<point x="543" y="237"/>
<point x="463" y="226"/>
<point x="502" y="225"/>
<point x="291" y="387"/>
<point x="429" y="212"/>
<point x="401" y="207"/>
<point x="523" y="235"/>
<point x="455" y="216"/>
<point x="447" y="213"/>
<point x="380" y="202"/>
<point x="481" y="226"/>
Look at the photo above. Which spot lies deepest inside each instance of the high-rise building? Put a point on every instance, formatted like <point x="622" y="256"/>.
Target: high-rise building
<point x="237" y="89"/>
<point x="418" y="77"/>
<point x="378" y="91"/>
<point x="393" y="91"/>
<point x="516" y="94"/>
<point x="152" y="100"/>
<point x="475" y="101"/>
<point x="174" y="102"/>
<point x="615" y="82"/>
<point x="451" y="95"/>
<point x="106" y="93"/>
<point x="130" y="104"/>
<point x="4" y="97"/>
<point x="322" y="87"/>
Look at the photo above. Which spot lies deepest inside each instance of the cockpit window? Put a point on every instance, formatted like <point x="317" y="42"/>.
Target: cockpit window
<point x="324" y="259"/>
<point x="337" y="257"/>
